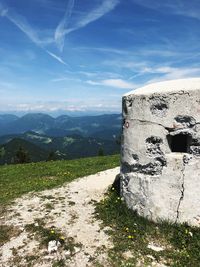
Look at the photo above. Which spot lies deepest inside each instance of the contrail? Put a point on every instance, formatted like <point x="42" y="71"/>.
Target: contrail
<point x="56" y="57"/>
<point x="62" y="26"/>
<point x="23" y="25"/>
<point x="62" y="30"/>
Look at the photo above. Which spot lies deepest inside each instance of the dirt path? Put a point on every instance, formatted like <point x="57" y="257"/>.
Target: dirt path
<point x="68" y="210"/>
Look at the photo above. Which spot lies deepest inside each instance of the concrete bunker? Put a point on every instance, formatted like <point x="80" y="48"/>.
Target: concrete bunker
<point x="160" y="153"/>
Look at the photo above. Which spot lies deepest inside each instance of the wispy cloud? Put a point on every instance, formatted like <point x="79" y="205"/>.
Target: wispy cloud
<point x="176" y="7"/>
<point x="51" y="4"/>
<point x="82" y="76"/>
<point x="59" y="79"/>
<point x="58" y="107"/>
<point x="63" y="28"/>
<point x="62" y="79"/>
<point x="3" y="10"/>
<point x="56" y="57"/>
<point x="24" y="26"/>
<point x="63" y="25"/>
<point x="125" y="63"/>
<point x="171" y="73"/>
<point x="117" y="83"/>
<point x="143" y="71"/>
<point x="29" y="31"/>
<point x="105" y="50"/>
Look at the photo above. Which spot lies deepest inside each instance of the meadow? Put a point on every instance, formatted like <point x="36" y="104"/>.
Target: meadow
<point x="18" y="179"/>
<point x="136" y="240"/>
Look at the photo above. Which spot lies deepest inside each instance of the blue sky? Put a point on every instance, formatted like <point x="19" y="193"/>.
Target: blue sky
<point x="78" y="55"/>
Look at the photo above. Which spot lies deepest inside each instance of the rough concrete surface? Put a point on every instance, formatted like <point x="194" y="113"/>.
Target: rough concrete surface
<point x="160" y="157"/>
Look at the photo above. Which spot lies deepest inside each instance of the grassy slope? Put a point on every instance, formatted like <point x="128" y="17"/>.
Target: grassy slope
<point x="16" y="180"/>
<point x="129" y="232"/>
<point x="132" y="233"/>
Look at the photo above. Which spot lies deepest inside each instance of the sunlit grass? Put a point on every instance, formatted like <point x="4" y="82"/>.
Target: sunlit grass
<point x="16" y="180"/>
<point x="131" y="235"/>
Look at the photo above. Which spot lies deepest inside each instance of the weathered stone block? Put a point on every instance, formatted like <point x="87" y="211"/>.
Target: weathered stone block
<point x="160" y="154"/>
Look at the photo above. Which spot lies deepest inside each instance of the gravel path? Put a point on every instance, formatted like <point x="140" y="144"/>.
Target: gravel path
<point x="68" y="209"/>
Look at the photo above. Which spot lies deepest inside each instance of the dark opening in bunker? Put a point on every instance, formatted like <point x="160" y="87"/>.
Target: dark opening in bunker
<point x="179" y="143"/>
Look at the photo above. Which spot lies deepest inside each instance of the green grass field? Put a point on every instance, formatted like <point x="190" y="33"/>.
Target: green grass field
<point x="16" y="180"/>
<point x="131" y="235"/>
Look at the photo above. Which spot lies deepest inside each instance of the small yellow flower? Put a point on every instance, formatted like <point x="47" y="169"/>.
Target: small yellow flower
<point x="127" y="229"/>
<point x="62" y="238"/>
<point x="52" y="231"/>
<point x="129" y="237"/>
<point x="113" y="188"/>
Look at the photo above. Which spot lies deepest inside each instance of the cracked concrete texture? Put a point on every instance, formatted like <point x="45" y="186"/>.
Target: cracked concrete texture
<point x="182" y="190"/>
<point x="160" y="177"/>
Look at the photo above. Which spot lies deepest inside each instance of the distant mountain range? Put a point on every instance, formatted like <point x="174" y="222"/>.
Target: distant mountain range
<point x="103" y="125"/>
<point x="66" y="137"/>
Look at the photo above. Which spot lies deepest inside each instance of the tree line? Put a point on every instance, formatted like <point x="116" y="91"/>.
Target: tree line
<point x="23" y="156"/>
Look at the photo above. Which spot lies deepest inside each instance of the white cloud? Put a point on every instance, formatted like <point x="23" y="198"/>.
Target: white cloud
<point x="25" y="27"/>
<point x="56" y="57"/>
<point x="61" y="106"/>
<point x="117" y="83"/>
<point x="51" y="4"/>
<point x="59" y="79"/>
<point x="29" y="31"/>
<point x="124" y="63"/>
<point x="160" y="71"/>
<point x="93" y="82"/>
<point x="63" y="27"/>
<point x="177" y="7"/>
<point x="176" y="73"/>
<point x="88" y="74"/>
<point x="142" y="70"/>
<point x="82" y="75"/>
<point x="106" y="50"/>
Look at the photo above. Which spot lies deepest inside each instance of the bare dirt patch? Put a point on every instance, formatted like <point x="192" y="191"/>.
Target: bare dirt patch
<point x="64" y="213"/>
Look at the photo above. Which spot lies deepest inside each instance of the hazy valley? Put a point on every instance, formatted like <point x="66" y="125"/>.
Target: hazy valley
<point x="46" y="138"/>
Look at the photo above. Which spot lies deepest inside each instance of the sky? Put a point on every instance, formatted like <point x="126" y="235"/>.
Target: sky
<point x="83" y="55"/>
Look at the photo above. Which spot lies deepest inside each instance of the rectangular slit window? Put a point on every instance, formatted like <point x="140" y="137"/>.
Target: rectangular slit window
<point x="179" y="143"/>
